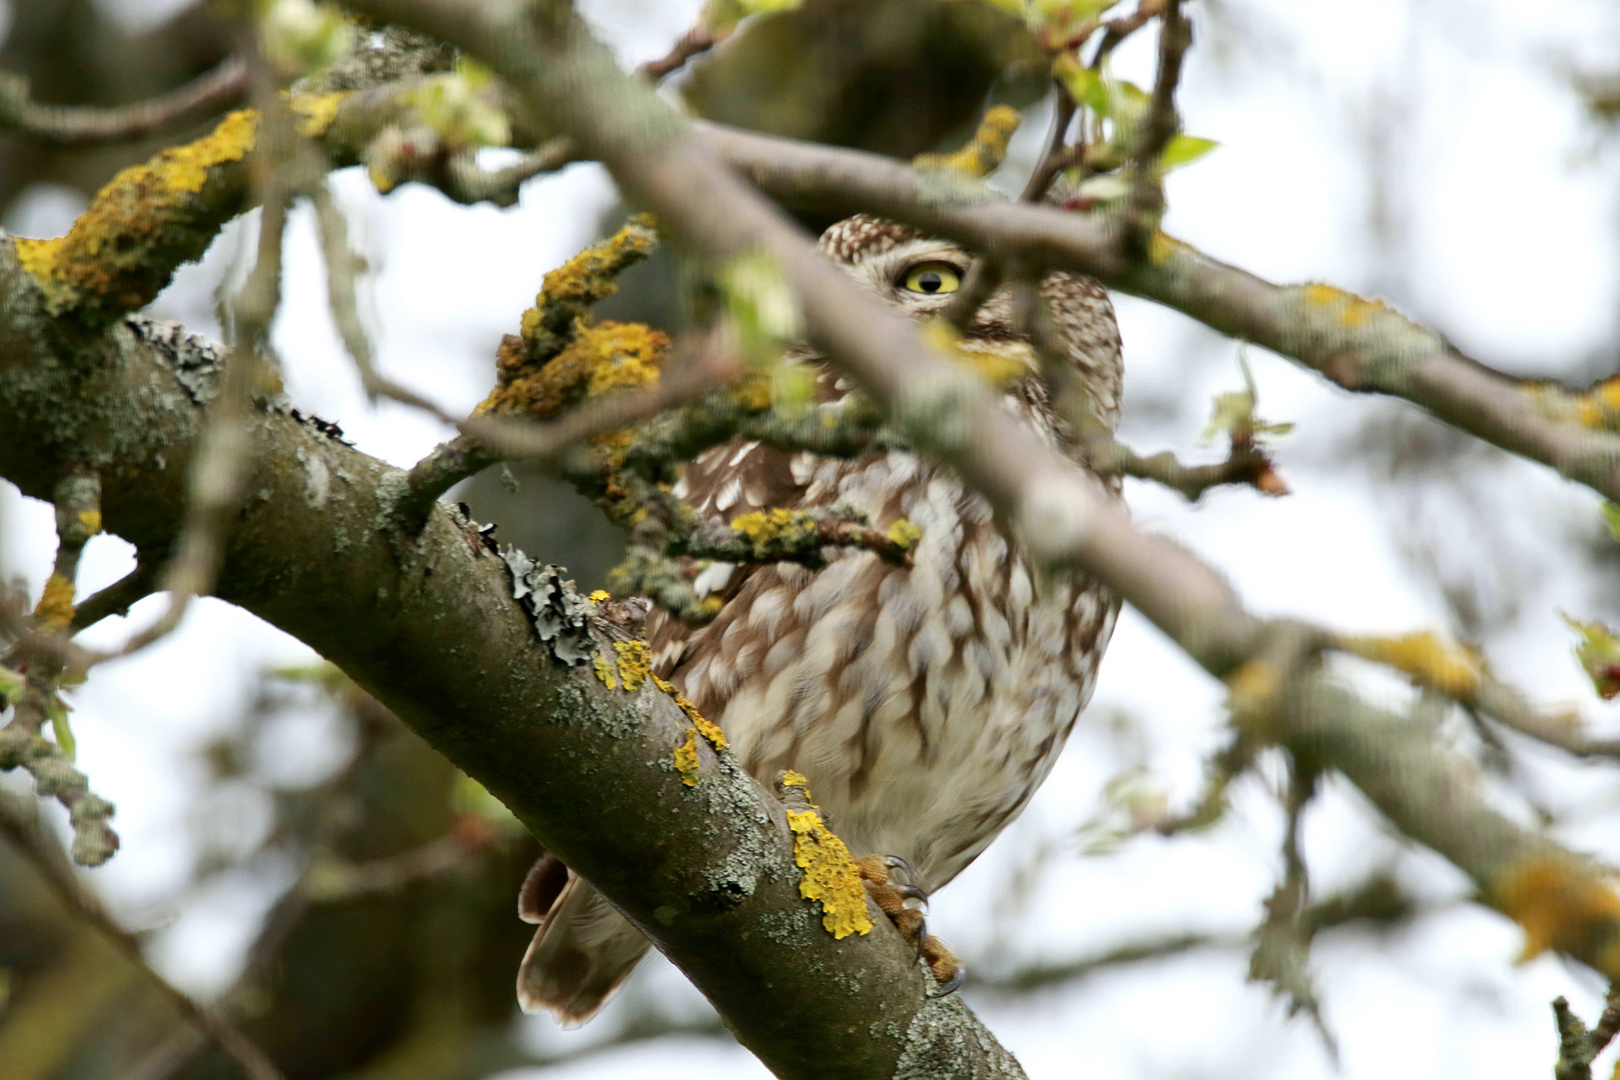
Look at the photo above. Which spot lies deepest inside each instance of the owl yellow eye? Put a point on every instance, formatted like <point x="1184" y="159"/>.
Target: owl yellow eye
<point x="932" y="279"/>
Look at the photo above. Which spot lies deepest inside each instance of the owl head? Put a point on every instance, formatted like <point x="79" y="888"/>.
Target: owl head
<point x="918" y="275"/>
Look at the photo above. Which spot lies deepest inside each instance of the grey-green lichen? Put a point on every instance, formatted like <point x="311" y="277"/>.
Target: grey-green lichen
<point x="93" y="839"/>
<point x="945" y="1042"/>
<point x="561" y="616"/>
<point x="195" y="362"/>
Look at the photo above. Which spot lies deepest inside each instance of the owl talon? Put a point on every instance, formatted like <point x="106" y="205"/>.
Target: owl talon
<point x="905" y="902"/>
<point x="911" y="892"/>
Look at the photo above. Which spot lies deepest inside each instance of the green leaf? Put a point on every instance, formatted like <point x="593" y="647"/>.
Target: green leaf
<point x="1611" y="518"/>
<point x="454" y="106"/>
<point x="761" y="305"/>
<point x="1105" y="188"/>
<point x="1233" y="413"/>
<point x="1084" y="84"/>
<point x="1598" y="652"/>
<point x="56" y="709"/>
<point x="1184" y="150"/>
<point x="11" y="682"/>
<point x="301" y="36"/>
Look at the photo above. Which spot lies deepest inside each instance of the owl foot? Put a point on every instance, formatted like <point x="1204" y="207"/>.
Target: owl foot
<point x="891" y="883"/>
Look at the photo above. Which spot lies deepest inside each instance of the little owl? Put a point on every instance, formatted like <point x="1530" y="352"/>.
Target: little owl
<point x="924" y="704"/>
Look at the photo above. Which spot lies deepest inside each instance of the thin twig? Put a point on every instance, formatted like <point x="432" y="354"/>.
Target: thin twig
<point x="21" y="828"/>
<point x="1057" y="154"/>
<point x="342" y="267"/>
<point x="696" y="41"/>
<point x="1145" y="205"/>
<point x="1118" y="29"/>
<point x="466" y="183"/>
<point x="1245" y="465"/>
<point x="119" y="597"/>
<point x="219" y="467"/>
<point x="983" y="279"/>
<point x="83" y="125"/>
<point x="1282" y="944"/>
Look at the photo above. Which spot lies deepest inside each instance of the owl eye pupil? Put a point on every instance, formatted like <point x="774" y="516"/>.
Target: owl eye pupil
<point x="929" y="281"/>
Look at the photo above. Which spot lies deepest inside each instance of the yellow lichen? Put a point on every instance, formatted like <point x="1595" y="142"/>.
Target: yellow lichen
<point x="184" y="169"/>
<point x="1597" y="407"/>
<point x="830" y="875"/>
<point x="601" y="358"/>
<point x="316" y="112"/>
<point x="1350" y="310"/>
<point x="599" y="595"/>
<point x="635" y="663"/>
<point x="1452" y="669"/>
<point x="573" y="287"/>
<point x="794" y="778"/>
<point x="753" y="393"/>
<point x="150" y="217"/>
<point x="984" y="153"/>
<point x="38" y="257"/>
<point x="604" y="671"/>
<point x="768" y="529"/>
<point x="55" y="608"/>
<point x="686" y="759"/>
<point x="707" y="728"/>
<point x="1561" y="905"/>
<point x="1162" y="247"/>
<point x="903" y="534"/>
<point x="90" y="521"/>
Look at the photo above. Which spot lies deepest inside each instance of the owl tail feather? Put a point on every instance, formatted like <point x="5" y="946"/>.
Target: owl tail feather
<point x="583" y="950"/>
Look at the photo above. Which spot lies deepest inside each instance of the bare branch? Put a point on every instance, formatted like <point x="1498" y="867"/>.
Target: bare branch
<point x="696" y="41"/>
<point x="82" y="125"/>
<point x="1057" y="153"/>
<point x="119" y="597"/>
<point x="1116" y="30"/>
<point x="1145" y="205"/>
